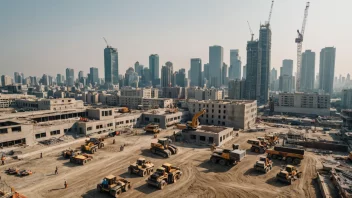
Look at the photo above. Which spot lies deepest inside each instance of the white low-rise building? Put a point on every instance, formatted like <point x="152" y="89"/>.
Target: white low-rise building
<point x="231" y="113"/>
<point x="303" y="103"/>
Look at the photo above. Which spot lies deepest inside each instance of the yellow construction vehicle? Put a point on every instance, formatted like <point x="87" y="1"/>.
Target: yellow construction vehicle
<point x="141" y="167"/>
<point x="257" y="146"/>
<point x="291" y="155"/>
<point x="89" y="147"/>
<point x="153" y="128"/>
<point x="264" y="164"/>
<point x="163" y="148"/>
<point x="192" y="125"/>
<point x="96" y="141"/>
<point x="124" y="110"/>
<point x="167" y="174"/>
<point x="227" y="157"/>
<point x="289" y="175"/>
<point x="114" y="186"/>
<point x="81" y="159"/>
<point x="272" y="139"/>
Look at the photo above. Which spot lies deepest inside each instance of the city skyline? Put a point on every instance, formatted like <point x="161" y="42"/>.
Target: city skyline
<point x="283" y="37"/>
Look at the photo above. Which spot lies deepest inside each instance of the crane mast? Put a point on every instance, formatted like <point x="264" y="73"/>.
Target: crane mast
<point x="299" y="41"/>
<point x="271" y="10"/>
<point x="106" y="42"/>
<point x="250" y="29"/>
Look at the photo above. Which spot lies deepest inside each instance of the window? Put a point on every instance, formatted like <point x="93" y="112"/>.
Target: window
<point x="223" y="137"/>
<point x="218" y="122"/>
<point x="219" y="111"/>
<point x="57" y="132"/>
<point x="110" y="124"/>
<point x="224" y="117"/>
<point x="88" y="128"/>
<point x="220" y="139"/>
<point x="224" y="111"/>
<point x="3" y="131"/>
<point x="202" y="138"/>
<point x="219" y="117"/>
<point x="40" y="135"/>
<point x="146" y="119"/>
<point x="223" y="123"/>
<point x="193" y="137"/>
<point x="16" y="129"/>
<point x="211" y="140"/>
<point x="212" y="116"/>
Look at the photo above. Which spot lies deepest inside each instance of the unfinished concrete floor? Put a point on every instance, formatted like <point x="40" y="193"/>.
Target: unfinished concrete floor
<point x="200" y="177"/>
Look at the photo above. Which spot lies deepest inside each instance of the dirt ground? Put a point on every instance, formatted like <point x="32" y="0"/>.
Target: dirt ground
<point x="200" y="177"/>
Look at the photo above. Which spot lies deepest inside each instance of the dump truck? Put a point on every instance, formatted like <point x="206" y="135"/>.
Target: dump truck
<point x="227" y="157"/>
<point x="68" y="153"/>
<point x="166" y="174"/>
<point x="288" y="175"/>
<point x="152" y="128"/>
<point x="89" y="147"/>
<point x="141" y="167"/>
<point x="291" y="155"/>
<point x="163" y="148"/>
<point x="113" y="185"/>
<point x="23" y="173"/>
<point x="264" y="164"/>
<point x="191" y="125"/>
<point x="257" y="146"/>
<point x="96" y="141"/>
<point x="81" y="159"/>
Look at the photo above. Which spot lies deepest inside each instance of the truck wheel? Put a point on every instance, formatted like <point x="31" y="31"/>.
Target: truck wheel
<point x="130" y="170"/>
<point x="165" y="155"/>
<point x="93" y="151"/>
<point x="266" y="170"/>
<point x="100" y="189"/>
<point x="102" y="145"/>
<point x="143" y="173"/>
<point x="117" y="193"/>
<point x="127" y="187"/>
<point x="213" y="160"/>
<point x="222" y="162"/>
<point x="289" y="160"/>
<point x="296" y="161"/>
<point x="162" y="184"/>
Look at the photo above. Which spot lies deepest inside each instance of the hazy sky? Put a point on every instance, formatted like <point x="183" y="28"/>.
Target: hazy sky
<point x="47" y="36"/>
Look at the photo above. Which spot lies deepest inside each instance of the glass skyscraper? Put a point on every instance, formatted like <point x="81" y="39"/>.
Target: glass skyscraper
<point x="111" y="65"/>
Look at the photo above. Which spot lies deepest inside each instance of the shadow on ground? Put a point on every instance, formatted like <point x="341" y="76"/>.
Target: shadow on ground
<point x="147" y="189"/>
<point x="211" y="167"/>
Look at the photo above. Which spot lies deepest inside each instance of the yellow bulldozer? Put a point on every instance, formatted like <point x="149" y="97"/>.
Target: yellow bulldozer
<point x="152" y="128"/>
<point x="272" y="139"/>
<point x="163" y="148"/>
<point x="89" y="147"/>
<point x="289" y="175"/>
<point x="191" y="125"/>
<point x="124" y="110"/>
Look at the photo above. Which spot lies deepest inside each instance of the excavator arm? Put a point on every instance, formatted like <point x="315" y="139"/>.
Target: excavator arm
<point x="195" y="118"/>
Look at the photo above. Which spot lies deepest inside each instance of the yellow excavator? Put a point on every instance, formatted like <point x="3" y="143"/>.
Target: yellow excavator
<point x="192" y="125"/>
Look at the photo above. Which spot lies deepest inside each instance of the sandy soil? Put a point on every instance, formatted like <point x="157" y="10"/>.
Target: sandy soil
<point x="200" y="177"/>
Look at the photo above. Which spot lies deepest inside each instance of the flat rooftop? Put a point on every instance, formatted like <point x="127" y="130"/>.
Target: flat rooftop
<point x="36" y="114"/>
<point x="211" y="129"/>
<point x="238" y="102"/>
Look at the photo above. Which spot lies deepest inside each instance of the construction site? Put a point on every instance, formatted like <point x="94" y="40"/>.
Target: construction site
<point x="142" y="163"/>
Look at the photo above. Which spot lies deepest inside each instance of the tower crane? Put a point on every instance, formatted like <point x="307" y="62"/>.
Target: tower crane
<point x="250" y="29"/>
<point x="271" y="10"/>
<point x="106" y="42"/>
<point x="299" y="41"/>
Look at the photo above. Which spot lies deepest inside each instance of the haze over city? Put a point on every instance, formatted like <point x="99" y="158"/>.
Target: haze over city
<point x="166" y="98"/>
<point x="51" y="36"/>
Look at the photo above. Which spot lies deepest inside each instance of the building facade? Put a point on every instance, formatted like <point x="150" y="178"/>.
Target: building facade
<point x="265" y="45"/>
<point x="235" y="65"/>
<point x="111" y="66"/>
<point x="236" y="89"/>
<point x="307" y="71"/>
<point x="303" y="103"/>
<point x="346" y="99"/>
<point x="196" y="72"/>
<point x="154" y="68"/>
<point x="231" y="113"/>
<point x="327" y="69"/>
<point x="253" y="71"/>
<point x="215" y="65"/>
